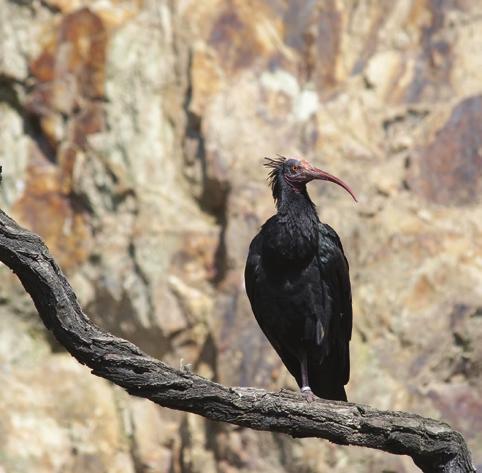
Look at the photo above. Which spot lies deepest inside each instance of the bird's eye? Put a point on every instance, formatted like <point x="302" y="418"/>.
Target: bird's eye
<point x="295" y="168"/>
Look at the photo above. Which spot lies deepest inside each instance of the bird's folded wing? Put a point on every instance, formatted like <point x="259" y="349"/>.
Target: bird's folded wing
<point x="335" y="274"/>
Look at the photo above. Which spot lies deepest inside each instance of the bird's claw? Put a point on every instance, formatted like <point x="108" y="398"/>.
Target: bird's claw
<point x="307" y="393"/>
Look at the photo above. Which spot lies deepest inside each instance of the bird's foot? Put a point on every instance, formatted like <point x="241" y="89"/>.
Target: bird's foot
<point x="307" y="393"/>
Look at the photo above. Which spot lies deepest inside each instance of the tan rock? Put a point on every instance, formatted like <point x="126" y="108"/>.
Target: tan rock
<point x="153" y="437"/>
<point x="74" y="422"/>
<point x="382" y="70"/>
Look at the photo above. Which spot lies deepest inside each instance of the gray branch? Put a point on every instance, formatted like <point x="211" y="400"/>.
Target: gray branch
<point x="433" y="445"/>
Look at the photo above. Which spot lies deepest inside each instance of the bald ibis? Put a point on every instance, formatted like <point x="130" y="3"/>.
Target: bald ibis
<point x="298" y="283"/>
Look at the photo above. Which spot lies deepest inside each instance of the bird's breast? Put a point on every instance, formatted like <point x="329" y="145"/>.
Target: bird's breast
<point x="289" y="247"/>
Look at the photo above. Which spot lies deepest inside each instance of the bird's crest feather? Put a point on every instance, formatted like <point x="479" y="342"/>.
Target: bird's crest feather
<point x="275" y="165"/>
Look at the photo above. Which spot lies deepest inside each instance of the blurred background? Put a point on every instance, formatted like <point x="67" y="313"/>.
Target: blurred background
<point x="131" y="136"/>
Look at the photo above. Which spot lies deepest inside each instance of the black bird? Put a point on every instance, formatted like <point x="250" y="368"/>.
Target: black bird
<point x="298" y="283"/>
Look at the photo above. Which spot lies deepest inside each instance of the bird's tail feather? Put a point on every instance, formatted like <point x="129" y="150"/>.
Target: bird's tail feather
<point x="325" y="381"/>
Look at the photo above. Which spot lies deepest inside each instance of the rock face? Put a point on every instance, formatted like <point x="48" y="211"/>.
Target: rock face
<point x="131" y="137"/>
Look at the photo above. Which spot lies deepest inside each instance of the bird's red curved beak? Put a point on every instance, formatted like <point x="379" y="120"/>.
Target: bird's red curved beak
<point x="314" y="173"/>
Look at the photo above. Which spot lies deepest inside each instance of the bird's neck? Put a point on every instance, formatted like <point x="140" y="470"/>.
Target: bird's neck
<point x="295" y="237"/>
<point x="298" y="215"/>
<point x="295" y="206"/>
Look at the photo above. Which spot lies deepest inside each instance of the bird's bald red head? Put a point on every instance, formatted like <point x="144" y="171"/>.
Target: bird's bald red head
<point x="298" y="172"/>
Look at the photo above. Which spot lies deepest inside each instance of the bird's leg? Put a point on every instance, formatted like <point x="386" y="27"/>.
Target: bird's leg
<point x="306" y="391"/>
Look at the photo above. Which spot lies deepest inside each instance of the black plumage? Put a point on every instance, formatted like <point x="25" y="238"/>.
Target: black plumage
<point x="297" y="281"/>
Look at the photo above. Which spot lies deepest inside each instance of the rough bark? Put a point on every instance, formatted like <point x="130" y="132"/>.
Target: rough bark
<point x="434" y="446"/>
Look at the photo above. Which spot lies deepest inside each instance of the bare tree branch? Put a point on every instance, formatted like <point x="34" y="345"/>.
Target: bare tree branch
<point x="433" y="446"/>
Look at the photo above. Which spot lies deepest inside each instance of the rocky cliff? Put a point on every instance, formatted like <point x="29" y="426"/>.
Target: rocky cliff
<point x="132" y="134"/>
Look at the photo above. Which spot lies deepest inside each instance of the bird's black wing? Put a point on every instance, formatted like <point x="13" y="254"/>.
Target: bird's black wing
<point x="253" y="268"/>
<point x="255" y="282"/>
<point x="258" y="289"/>
<point x="335" y="275"/>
